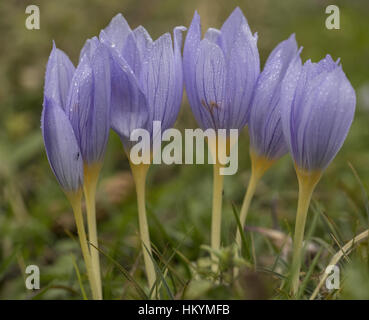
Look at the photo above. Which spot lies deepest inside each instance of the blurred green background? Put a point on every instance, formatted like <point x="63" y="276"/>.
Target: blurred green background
<point x="36" y="222"/>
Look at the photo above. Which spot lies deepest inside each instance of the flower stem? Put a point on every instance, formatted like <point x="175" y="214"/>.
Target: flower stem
<point x="75" y="200"/>
<point x="139" y="175"/>
<point x="259" y="165"/>
<point x="216" y="221"/>
<point x="91" y="174"/>
<point x="307" y="182"/>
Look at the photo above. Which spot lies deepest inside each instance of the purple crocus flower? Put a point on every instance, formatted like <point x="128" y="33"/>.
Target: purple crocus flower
<point x="75" y="126"/>
<point x="146" y="86"/>
<point x="61" y="145"/>
<point x="88" y="103"/>
<point x="318" y="106"/>
<point x="147" y="81"/>
<point x="75" y="118"/>
<point x="317" y="110"/>
<point x="265" y="126"/>
<point x="267" y="143"/>
<point x="220" y="72"/>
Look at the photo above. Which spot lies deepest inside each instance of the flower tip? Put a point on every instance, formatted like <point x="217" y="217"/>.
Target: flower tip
<point x="291" y="44"/>
<point x="94" y="39"/>
<point x="180" y="28"/>
<point x="102" y="36"/>
<point x="196" y="17"/>
<point x="237" y="10"/>
<point x="328" y="58"/>
<point x="117" y="17"/>
<point x="237" y="13"/>
<point x="55" y="51"/>
<point x="177" y="33"/>
<point x="117" y="24"/>
<point x="292" y="40"/>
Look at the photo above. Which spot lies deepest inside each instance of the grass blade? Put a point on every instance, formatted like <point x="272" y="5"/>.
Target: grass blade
<point x="126" y="274"/>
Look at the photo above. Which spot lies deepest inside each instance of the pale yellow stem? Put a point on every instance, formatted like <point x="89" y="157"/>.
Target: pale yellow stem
<point x="245" y="205"/>
<point x="336" y="258"/>
<point x="139" y="175"/>
<point x="91" y="175"/>
<point x="259" y="165"/>
<point x="216" y="221"/>
<point x="75" y="200"/>
<point x="219" y="147"/>
<point x="307" y="182"/>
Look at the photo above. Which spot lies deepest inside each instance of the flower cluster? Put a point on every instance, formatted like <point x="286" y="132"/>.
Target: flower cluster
<point x="124" y="80"/>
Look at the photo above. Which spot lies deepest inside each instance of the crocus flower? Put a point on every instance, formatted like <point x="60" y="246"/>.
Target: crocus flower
<point x="88" y="103"/>
<point x="267" y="143"/>
<point x="220" y="72"/>
<point x="265" y="127"/>
<point x="88" y="107"/>
<point x="147" y="81"/>
<point x="76" y="111"/>
<point x="318" y="105"/>
<point x="61" y="144"/>
<point x="75" y="126"/>
<point x="147" y="86"/>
